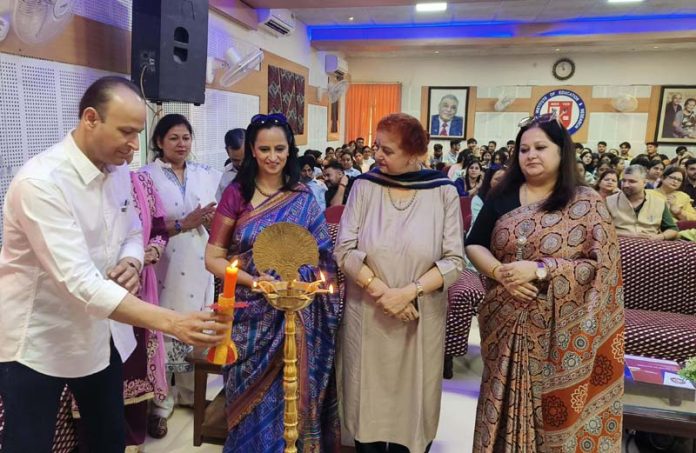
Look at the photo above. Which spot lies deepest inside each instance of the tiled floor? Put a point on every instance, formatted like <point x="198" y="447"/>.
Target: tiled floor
<point x="455" y="433"/>
<point x="457" y="416"/>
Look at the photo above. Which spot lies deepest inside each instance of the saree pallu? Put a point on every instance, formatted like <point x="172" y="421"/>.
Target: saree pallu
<point x="254" y="383"/>
<point x="553" y="368"/>
<point x="144" y="372"/>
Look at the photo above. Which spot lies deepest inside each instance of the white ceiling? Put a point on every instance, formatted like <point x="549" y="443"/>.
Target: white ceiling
<point x="487" y="10"/>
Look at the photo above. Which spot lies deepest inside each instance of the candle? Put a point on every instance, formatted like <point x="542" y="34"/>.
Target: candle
<point x="230" y="280"/>
<point x="330" y="289"/>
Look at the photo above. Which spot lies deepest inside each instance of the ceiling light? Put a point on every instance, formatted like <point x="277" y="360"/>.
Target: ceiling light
<point x="656" y="47"/>
<point x="437" y="51"/>
<point x="624" y="1"/>
<point x="351" y="18"/>
<point x="431" y="7"/>
<point x="558" y="50"/>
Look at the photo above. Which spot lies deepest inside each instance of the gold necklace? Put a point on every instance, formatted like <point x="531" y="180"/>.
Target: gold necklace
<point x="267" y="195"/>
<point x="408" y="205"/>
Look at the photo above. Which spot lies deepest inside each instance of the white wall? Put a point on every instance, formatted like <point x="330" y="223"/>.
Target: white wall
<point x="629" y="68"/>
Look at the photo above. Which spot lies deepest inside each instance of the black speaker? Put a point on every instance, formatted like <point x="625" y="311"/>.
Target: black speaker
<point x="169" y="49"/>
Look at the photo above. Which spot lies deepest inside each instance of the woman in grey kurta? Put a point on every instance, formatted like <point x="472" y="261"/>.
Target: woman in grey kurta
<point x="400" y="245"/>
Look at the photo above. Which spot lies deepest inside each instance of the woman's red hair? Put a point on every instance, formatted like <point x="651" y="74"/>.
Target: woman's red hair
<point x="413" y="138"/>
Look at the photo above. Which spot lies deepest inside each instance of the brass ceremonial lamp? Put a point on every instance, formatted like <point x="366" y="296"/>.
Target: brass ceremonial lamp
<point x="285" y="247"/>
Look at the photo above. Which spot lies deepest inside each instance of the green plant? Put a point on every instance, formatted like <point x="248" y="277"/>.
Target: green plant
<point x="689" y="371"/>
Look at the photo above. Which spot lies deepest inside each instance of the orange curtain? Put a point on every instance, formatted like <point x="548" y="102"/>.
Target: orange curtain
<point x="366" y="104"/>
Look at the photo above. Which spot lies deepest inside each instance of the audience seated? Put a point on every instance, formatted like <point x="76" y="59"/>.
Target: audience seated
<point x="640" y="213"/>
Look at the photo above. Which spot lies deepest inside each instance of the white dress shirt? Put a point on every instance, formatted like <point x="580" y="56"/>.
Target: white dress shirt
<point x="319" y="189"/>
<point x="229" y="173"/>
<point x="352" y="172"/>
<point x="66" y="224"/>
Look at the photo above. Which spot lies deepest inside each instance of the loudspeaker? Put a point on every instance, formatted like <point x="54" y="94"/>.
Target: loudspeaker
<point x="169" y="49"/>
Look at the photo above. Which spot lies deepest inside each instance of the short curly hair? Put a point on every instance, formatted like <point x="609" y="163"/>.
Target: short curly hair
<point x="413" y="138"/>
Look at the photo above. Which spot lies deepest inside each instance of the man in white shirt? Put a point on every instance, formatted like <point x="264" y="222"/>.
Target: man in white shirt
<point x="451" y="157"/>
<point x="70" y="262"/>
<point x="234" y="145"/>
<point x="318" y="188"/>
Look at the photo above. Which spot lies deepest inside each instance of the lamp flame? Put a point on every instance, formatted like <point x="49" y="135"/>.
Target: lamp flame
<point x="330" y="289"/>
<point x="234" y="263"/>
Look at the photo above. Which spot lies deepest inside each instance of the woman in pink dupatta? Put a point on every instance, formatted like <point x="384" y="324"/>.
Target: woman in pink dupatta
<point x="143" y="373"/>
<point x="552" y="319"/>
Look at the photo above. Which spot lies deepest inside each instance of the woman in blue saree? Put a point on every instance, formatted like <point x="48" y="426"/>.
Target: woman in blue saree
<point x="267" y="191"/>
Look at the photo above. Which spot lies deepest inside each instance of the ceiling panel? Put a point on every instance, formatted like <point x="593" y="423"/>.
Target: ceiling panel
<point x="389" y="11"/>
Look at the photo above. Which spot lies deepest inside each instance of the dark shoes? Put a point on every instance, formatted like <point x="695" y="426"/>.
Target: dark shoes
<point x="156" y="426"/>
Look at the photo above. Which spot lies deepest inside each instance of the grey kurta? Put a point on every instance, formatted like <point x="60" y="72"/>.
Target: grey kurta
<point x="391" y="372"/>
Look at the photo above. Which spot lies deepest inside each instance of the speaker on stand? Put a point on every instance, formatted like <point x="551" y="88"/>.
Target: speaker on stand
<point x="169" y="49"/>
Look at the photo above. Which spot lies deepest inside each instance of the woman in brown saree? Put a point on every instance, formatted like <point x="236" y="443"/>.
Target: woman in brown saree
<point x="552" y="319"/>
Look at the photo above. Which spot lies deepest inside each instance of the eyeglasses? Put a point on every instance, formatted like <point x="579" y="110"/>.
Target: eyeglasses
<point x="275" y="118"/>
<point x="541" y="119"/>
<point x="675" y="179"/>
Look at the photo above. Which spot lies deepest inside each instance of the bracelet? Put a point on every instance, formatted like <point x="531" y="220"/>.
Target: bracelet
<point x="495" y="268"/>
<point x="159" y="255"/>
<point x="177" y="226"/>
<point x="369" y="281"/>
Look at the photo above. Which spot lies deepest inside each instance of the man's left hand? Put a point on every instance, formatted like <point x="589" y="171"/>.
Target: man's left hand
<point x="127" y="274"/>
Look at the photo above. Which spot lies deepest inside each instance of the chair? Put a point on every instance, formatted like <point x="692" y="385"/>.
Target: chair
<point x="465" y="205"/>
<point x="659" y="298"/>
<point x="686" y="224"/>
<point x="333" y="214"/>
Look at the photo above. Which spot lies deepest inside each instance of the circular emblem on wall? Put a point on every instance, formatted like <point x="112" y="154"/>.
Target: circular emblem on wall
<point x="568" y="105"/>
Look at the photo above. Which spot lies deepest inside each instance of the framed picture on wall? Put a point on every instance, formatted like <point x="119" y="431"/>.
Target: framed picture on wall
<point x="676" y="120"/>
<point x="447" y="107"/>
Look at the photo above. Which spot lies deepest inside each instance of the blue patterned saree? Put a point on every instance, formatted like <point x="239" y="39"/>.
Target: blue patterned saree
<point x="254" y="383"/>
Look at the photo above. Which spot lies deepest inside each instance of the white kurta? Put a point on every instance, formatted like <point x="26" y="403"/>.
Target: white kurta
<point x="390" y="372"/>
<point x="184" y="283"/>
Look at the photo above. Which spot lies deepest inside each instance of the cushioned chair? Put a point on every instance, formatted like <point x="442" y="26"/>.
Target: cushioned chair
<point x="463" y="298"/>
<point x="660" y="298"/>
<point x="333" y="214"/>
<point x="686" y="224"/>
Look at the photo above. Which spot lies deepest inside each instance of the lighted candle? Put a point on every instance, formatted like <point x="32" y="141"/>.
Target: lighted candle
<point x="330" y="289"/>
<point x="230" y="280"/>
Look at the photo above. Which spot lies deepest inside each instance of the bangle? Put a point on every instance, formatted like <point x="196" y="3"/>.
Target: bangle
<point x="369" y="281"/>
<point x="177" y="226"/>
<point x="495" y="268"/>
<point x="159" y="255"/>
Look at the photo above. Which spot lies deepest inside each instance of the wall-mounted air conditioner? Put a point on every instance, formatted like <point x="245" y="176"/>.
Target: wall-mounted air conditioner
<point x="335" y="65"/>
<point x="278" y="22"/>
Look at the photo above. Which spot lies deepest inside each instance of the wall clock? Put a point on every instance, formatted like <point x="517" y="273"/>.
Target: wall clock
<point x="563" y="69"/>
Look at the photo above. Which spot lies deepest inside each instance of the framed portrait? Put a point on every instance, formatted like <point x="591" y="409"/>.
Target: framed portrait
<point x="676" y="119"/>
<point x="447" y="108"/>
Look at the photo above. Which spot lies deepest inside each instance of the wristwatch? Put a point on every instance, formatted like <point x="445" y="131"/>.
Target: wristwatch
<point x="541" y="271"/>
<point x="419" y="294"/>
<point x="177" y="226"/>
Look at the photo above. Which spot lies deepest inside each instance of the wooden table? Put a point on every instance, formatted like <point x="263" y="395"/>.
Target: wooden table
<point x="658" y="408"/>
<point x="209" y="423"/>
